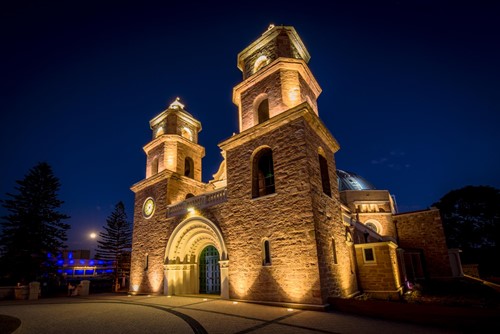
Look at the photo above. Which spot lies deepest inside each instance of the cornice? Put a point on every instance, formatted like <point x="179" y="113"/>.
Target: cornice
<point x="173" y="138"/>
<point x="267" y="37"/>
<point x="279" y="64"/>
<point x="303" y="110"/>
<point x="165" y="174"/>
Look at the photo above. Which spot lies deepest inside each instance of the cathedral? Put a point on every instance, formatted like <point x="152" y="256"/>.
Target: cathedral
<point x="278" y="223"/>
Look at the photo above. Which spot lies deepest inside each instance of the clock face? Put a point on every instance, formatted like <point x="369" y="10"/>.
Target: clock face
<point x="148" y="208"/>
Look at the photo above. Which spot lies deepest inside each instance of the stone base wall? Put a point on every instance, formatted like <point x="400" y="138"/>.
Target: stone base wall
<point x="424" y="230"/>
<point x="379" y="278"/>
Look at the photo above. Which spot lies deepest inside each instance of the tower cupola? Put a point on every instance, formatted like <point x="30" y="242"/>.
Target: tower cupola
<point x="174" y="145"/>
<point x="276" y="77"/>
<point x="175" y="120"/>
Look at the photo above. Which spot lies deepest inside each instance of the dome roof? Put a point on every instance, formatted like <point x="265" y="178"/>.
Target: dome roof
<point x="352" y="181"/>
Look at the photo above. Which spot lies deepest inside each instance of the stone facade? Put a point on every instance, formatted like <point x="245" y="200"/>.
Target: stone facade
<point x="423" y="231"/>
<point x="380" y="277"/>
<point x="273" y="214"/>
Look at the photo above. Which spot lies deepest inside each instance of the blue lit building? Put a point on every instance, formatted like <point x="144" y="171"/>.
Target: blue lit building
<point x="77" y="265"/>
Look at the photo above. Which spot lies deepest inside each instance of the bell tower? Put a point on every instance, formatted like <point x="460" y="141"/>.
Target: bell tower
<point x="173" y="163"/>
<point x="276" y="77"/>
<point x="281" y="179"/>
<point x="173" y="173"/>
<point x="174" y="146"/>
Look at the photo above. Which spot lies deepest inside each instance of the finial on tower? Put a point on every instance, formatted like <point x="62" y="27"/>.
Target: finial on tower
<point x="176" y="104"/>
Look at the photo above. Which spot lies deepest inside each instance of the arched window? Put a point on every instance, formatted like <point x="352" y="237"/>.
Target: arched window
<point x="266" y="253"/>
<point x="260" y="63"/>
<point x="325" y="178"/>
<point x="189" y="195"/>
<point x="374" y="225"/>
<point x="159" y="131"/>
<point x="154" y="166"/>
<point x="263" y="173"/>
<point x="188" y="167"/>
<point x="186" y="133"/>
<point x="263" y="111"/>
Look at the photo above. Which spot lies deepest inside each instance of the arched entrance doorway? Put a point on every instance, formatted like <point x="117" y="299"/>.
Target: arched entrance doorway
<point x="196" y="259"/>
<point x="209" y="271"/>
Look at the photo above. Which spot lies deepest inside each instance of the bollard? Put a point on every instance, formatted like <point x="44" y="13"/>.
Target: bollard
<point x="34" y="290"/>
<point x="84" y="288"/>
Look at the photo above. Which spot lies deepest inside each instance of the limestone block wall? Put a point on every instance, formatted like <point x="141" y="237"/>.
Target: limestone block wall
<point x="270" y="86"/>
<point x="379" y="278"/>
<point x="280" y="47"/>
<point x="171" y="124"/>
<point x="384" y="219"/>
<point x="186" y="149"/>
<point x="335" y="253"/>
<point x="424" y="230"/>
<point x="149" y="241"/>
<point x="155" y="156"/>
<point x="360" y="201"/>
<point x="306" y="94"/>
<point x="285" y="219"/>
<point x="180" y="186"/>
<point x="285" y="89"/>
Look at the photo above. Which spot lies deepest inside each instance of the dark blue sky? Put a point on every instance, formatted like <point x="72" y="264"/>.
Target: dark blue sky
<point x="411" y="90"/>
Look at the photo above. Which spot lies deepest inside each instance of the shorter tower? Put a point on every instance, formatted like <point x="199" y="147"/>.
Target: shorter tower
<point x="173" y="173"/>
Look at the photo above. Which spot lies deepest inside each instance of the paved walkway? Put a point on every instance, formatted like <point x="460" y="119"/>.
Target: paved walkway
<point x="113" y="314"/>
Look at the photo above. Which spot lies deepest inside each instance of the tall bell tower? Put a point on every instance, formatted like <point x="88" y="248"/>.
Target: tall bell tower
<point x="173" y="173"/>
<point x="276" y="77"/>
<point x="281" y="180"/>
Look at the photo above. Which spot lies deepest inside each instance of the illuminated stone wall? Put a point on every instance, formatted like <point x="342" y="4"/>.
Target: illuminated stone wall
<point x="424" y="230"/>
<point x="149" y="239"/>
<point x="380" y="278"/>
<point x="380" y="199"/>
<point x="298" y="220"/>
<point x="280" y="46"/>
<point x="274" y="96"/>
<point x="285" y="218"/>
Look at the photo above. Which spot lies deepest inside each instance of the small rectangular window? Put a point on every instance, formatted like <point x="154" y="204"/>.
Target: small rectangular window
<point x="334" y="252"/>
<point x="146" y="262"/>
<point x="266" y="256"/>
<point x="368" y="255"/>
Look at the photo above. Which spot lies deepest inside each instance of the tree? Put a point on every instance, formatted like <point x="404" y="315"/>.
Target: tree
<point x="115" y="243"/>
<point x="33" y="232"/>
<point x="471" y="221"/>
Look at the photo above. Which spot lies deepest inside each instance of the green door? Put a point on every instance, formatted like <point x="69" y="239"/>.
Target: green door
<point x="209" y="271"/>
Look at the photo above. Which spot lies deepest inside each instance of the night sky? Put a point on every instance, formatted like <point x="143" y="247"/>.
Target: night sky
<point x="411" y="90"/>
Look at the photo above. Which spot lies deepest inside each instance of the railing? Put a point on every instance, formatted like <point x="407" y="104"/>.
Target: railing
<point x="198" y="202"/>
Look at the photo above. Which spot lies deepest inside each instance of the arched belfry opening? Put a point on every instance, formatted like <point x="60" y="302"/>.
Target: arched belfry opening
<point x="262" y="172"/>
<point x="196" y="259"/>
<point x="263" y="111"/>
